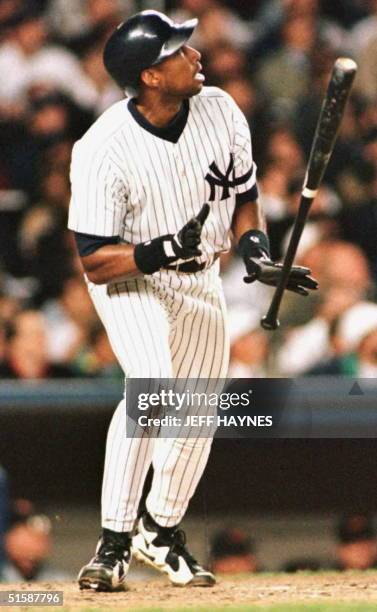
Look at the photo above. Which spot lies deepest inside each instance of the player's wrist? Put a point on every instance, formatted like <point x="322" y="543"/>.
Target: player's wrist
<point x="155" y="254"/>
<point x="254" y="243"/>
<point x="149" y="256"/>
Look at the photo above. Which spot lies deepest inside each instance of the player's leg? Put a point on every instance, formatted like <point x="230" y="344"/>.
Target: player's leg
<point x="138" y="331"/>
<point x="201" y="352"/>
<point x="199" y="340"/>
<point x="200" y="349"/>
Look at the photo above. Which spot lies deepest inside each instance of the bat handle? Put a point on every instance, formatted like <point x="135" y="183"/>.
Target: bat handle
<point x="270" y="320"/>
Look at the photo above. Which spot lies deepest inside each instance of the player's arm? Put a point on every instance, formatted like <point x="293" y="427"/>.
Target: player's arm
<point x="109" y="263"/>
<point x="248" y="216"/>
<point x="248" y="221"/>
<point x="106" y="260"/>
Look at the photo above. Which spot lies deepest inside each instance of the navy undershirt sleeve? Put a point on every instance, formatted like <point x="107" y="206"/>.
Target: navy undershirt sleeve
<point x="88" y="243"/>
<point x="248" y="196"/>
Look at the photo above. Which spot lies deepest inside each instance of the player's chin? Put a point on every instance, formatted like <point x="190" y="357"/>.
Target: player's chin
<point x="196" y="87"/>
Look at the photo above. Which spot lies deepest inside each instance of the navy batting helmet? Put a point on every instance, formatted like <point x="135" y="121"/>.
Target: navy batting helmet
<point x="144" y="40"/>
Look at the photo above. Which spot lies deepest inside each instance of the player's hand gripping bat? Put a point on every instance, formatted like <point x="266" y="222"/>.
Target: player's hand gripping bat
<point x="323" y="144"/>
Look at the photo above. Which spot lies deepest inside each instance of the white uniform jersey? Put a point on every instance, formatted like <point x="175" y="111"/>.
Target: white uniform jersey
<point x="128" y="182"/>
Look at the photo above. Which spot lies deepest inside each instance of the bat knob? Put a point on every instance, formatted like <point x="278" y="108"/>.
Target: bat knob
<point x="266" y="323"/>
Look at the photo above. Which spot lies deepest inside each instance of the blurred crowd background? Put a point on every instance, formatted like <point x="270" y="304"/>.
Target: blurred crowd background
<point x="274" y="57"/>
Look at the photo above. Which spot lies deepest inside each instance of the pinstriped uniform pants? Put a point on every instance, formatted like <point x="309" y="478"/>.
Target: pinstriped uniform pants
<point x="167" y="325"/>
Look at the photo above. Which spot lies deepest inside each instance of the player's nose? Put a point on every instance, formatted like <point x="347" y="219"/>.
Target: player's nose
<point x="194" y="55"/>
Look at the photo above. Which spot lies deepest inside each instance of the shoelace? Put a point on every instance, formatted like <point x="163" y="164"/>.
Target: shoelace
<point x="112" y="550"/>
<point x="178" y="546"/>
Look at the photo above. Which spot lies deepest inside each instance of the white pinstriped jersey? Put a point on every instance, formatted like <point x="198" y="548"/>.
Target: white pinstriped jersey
<point x="130" y="183"/>
<point x="127" y="181"/>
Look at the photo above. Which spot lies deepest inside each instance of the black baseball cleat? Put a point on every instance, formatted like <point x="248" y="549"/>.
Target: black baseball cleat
<point x="108" y="569"/>
<point x="164" y="548"/>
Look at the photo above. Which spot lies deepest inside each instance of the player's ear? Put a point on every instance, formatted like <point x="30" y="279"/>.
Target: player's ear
<point x="150" y="77"/>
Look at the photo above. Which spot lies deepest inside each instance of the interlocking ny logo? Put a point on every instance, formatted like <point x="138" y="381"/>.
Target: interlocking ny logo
<point x="218" y="179"/>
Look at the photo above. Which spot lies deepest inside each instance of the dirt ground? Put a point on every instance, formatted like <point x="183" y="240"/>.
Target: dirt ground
<point x="259" y="589"/>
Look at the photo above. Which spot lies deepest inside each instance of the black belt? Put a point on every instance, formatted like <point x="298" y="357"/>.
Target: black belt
<point x="192" y="266"/>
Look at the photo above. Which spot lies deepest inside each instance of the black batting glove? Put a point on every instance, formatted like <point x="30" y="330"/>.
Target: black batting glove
<point x="255" y="250"/>
<point x="167" y="250"/>
<point x="186" y="242"/>
<point x="266" y="271"/>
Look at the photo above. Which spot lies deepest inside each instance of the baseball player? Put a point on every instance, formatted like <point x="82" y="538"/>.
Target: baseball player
<point x="158" y="183"/>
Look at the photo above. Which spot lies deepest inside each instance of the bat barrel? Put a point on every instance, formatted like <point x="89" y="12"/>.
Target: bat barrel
<point x="329" y="120"/>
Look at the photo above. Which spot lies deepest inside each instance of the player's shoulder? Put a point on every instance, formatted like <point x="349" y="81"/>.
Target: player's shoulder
<point x="103" y="131"/>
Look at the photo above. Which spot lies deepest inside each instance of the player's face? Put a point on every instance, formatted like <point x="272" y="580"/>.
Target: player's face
<point x="180" y="74"/>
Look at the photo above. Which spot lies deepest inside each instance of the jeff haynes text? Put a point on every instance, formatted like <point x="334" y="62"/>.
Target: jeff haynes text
<point x="206" y="420"/>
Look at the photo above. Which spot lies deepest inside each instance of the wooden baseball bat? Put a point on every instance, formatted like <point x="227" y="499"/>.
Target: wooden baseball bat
<point x="323" y="144"/>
